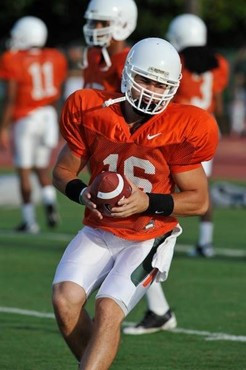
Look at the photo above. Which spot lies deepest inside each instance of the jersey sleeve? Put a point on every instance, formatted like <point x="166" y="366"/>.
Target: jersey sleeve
<point x="71" y="125"/>
<point x="198" y="146"/>
<point x="221" y="74"/>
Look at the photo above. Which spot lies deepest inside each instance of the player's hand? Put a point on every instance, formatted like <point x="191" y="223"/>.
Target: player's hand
<point x="4" y="140"/>
<point x="86" y="197"/>
<point x="138" y="202"/>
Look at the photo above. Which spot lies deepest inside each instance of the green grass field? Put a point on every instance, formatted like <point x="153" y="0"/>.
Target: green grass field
<point x="208" y="297"/>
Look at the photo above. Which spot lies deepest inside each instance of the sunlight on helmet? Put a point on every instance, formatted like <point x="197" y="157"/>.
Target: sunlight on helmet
<point x="156" y="60"/>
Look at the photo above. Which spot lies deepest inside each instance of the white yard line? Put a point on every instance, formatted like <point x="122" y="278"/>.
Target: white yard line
<point x="207" y="334"/>
<point x="227" y="252"/>
<point x="19" y="311"/>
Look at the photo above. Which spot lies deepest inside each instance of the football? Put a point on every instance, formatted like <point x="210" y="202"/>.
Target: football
<point x="107" y="189"/>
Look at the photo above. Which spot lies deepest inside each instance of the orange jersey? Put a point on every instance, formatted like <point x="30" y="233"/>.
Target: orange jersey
<point x="176" y="140"/>
<point x="39" y="74"/>
<point x="201" y="89"/>
<point x="97" y="78"/>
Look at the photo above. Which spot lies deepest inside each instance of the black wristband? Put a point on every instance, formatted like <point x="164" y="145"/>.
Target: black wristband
<point x="73" y="190"/>
<point x="160" y="204"/>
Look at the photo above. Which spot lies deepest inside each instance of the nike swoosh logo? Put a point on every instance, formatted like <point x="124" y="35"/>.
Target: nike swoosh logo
<point x="159" y="212"/>
<point x="149" y="137"/>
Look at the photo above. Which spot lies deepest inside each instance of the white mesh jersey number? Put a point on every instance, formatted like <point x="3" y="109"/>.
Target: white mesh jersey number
<point x="94" y="85"/>
<point x="42" y="80"/>
<point x="129" y="165"/>
<point x="206" y="85"/>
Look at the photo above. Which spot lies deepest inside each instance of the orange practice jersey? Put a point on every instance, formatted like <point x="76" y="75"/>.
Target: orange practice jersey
<point x="39" y="74"/>
<point x="176" y="140"/>
<point x="97" y="78"/>
<point x="201" y="89"/>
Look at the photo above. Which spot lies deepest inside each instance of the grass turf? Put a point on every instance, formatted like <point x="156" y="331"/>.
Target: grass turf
<point x="206" y="295"/>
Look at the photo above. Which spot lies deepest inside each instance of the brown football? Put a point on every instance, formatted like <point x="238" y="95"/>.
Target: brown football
<point x="107" y="189"/>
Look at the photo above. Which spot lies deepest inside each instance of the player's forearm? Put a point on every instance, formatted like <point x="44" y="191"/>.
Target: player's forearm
<point x="6" y="116"/>
<point x="190" y="203"/>
<point x="61" y="177"/>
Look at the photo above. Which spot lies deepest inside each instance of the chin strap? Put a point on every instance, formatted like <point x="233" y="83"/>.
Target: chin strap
<point x="109" y="102"/>
<point x="106" y="58"/>
<point x="84" y="64"/>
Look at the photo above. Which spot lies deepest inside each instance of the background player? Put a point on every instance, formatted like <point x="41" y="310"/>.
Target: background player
<point x="204" y="77"/>
<point x="34" y="76"/>
<point x="108" y="25"/>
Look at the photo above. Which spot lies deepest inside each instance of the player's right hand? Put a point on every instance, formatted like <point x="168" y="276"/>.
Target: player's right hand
<point x="89" y="204"/>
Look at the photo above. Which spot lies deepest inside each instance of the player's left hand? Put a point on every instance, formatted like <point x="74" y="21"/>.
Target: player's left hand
<point x="138" y="202"/>
<point x="4" y="140"/>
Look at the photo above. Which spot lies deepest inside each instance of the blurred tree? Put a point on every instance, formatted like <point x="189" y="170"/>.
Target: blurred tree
<point x="64" y="18"/>
<point x="193" y="6"/>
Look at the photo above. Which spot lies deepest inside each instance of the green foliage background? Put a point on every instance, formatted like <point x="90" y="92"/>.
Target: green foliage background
<point x="225" y="19"/>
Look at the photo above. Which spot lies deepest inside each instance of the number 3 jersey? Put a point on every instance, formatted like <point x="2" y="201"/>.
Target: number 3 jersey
<point x="176" y="140"/>
<point x="201" y="89"/>
<point x="39" y="74"/>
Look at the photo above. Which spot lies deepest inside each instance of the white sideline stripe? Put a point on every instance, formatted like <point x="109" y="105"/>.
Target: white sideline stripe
<point x="67" y="237"/>
<point x="208" y="335"/>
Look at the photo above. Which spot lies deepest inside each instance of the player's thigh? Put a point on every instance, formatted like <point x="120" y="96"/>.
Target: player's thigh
<point x="46" y="119"/>
<point x="42" y="156"/>
<point x="24" y="142"/>
<point x="86" y="260"/>
<point x="124" y="283"/>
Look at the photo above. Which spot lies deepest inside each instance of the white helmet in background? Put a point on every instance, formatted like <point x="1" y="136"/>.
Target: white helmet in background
<point x="28" y="32"/>
<point x="155" y="59"/>
<point x="187" y="30"/>
<point x="122" y="18"/>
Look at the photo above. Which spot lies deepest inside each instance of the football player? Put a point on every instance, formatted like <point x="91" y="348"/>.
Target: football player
<point x="34" y="76"/>
<point x="204" y="77"/>
<point x="108" y="25"/>
<point x="158" y="146"/>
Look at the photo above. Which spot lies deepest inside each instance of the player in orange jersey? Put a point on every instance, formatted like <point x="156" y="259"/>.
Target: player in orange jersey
<point x="108" y="25"/>
<point x="34" y="76"/>
<point x="159" y="147"/>
<point x="204" y="77"/>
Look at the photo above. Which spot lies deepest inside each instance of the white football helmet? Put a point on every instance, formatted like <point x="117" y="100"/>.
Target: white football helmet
<point x="122" y="17"/>
<point x="187" y="30"/>
<point x="28" y="32"/>
<point x="155" y="59"/>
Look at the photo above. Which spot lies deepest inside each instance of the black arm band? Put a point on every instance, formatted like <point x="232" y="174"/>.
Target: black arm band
<point x="73" y="190"/>
<point x="160" y="204"/>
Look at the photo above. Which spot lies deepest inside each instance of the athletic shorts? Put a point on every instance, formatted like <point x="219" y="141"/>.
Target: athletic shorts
<point x="208" y="167"/>
<point x="34" y="138"/>
<point x="120" y="268"/>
